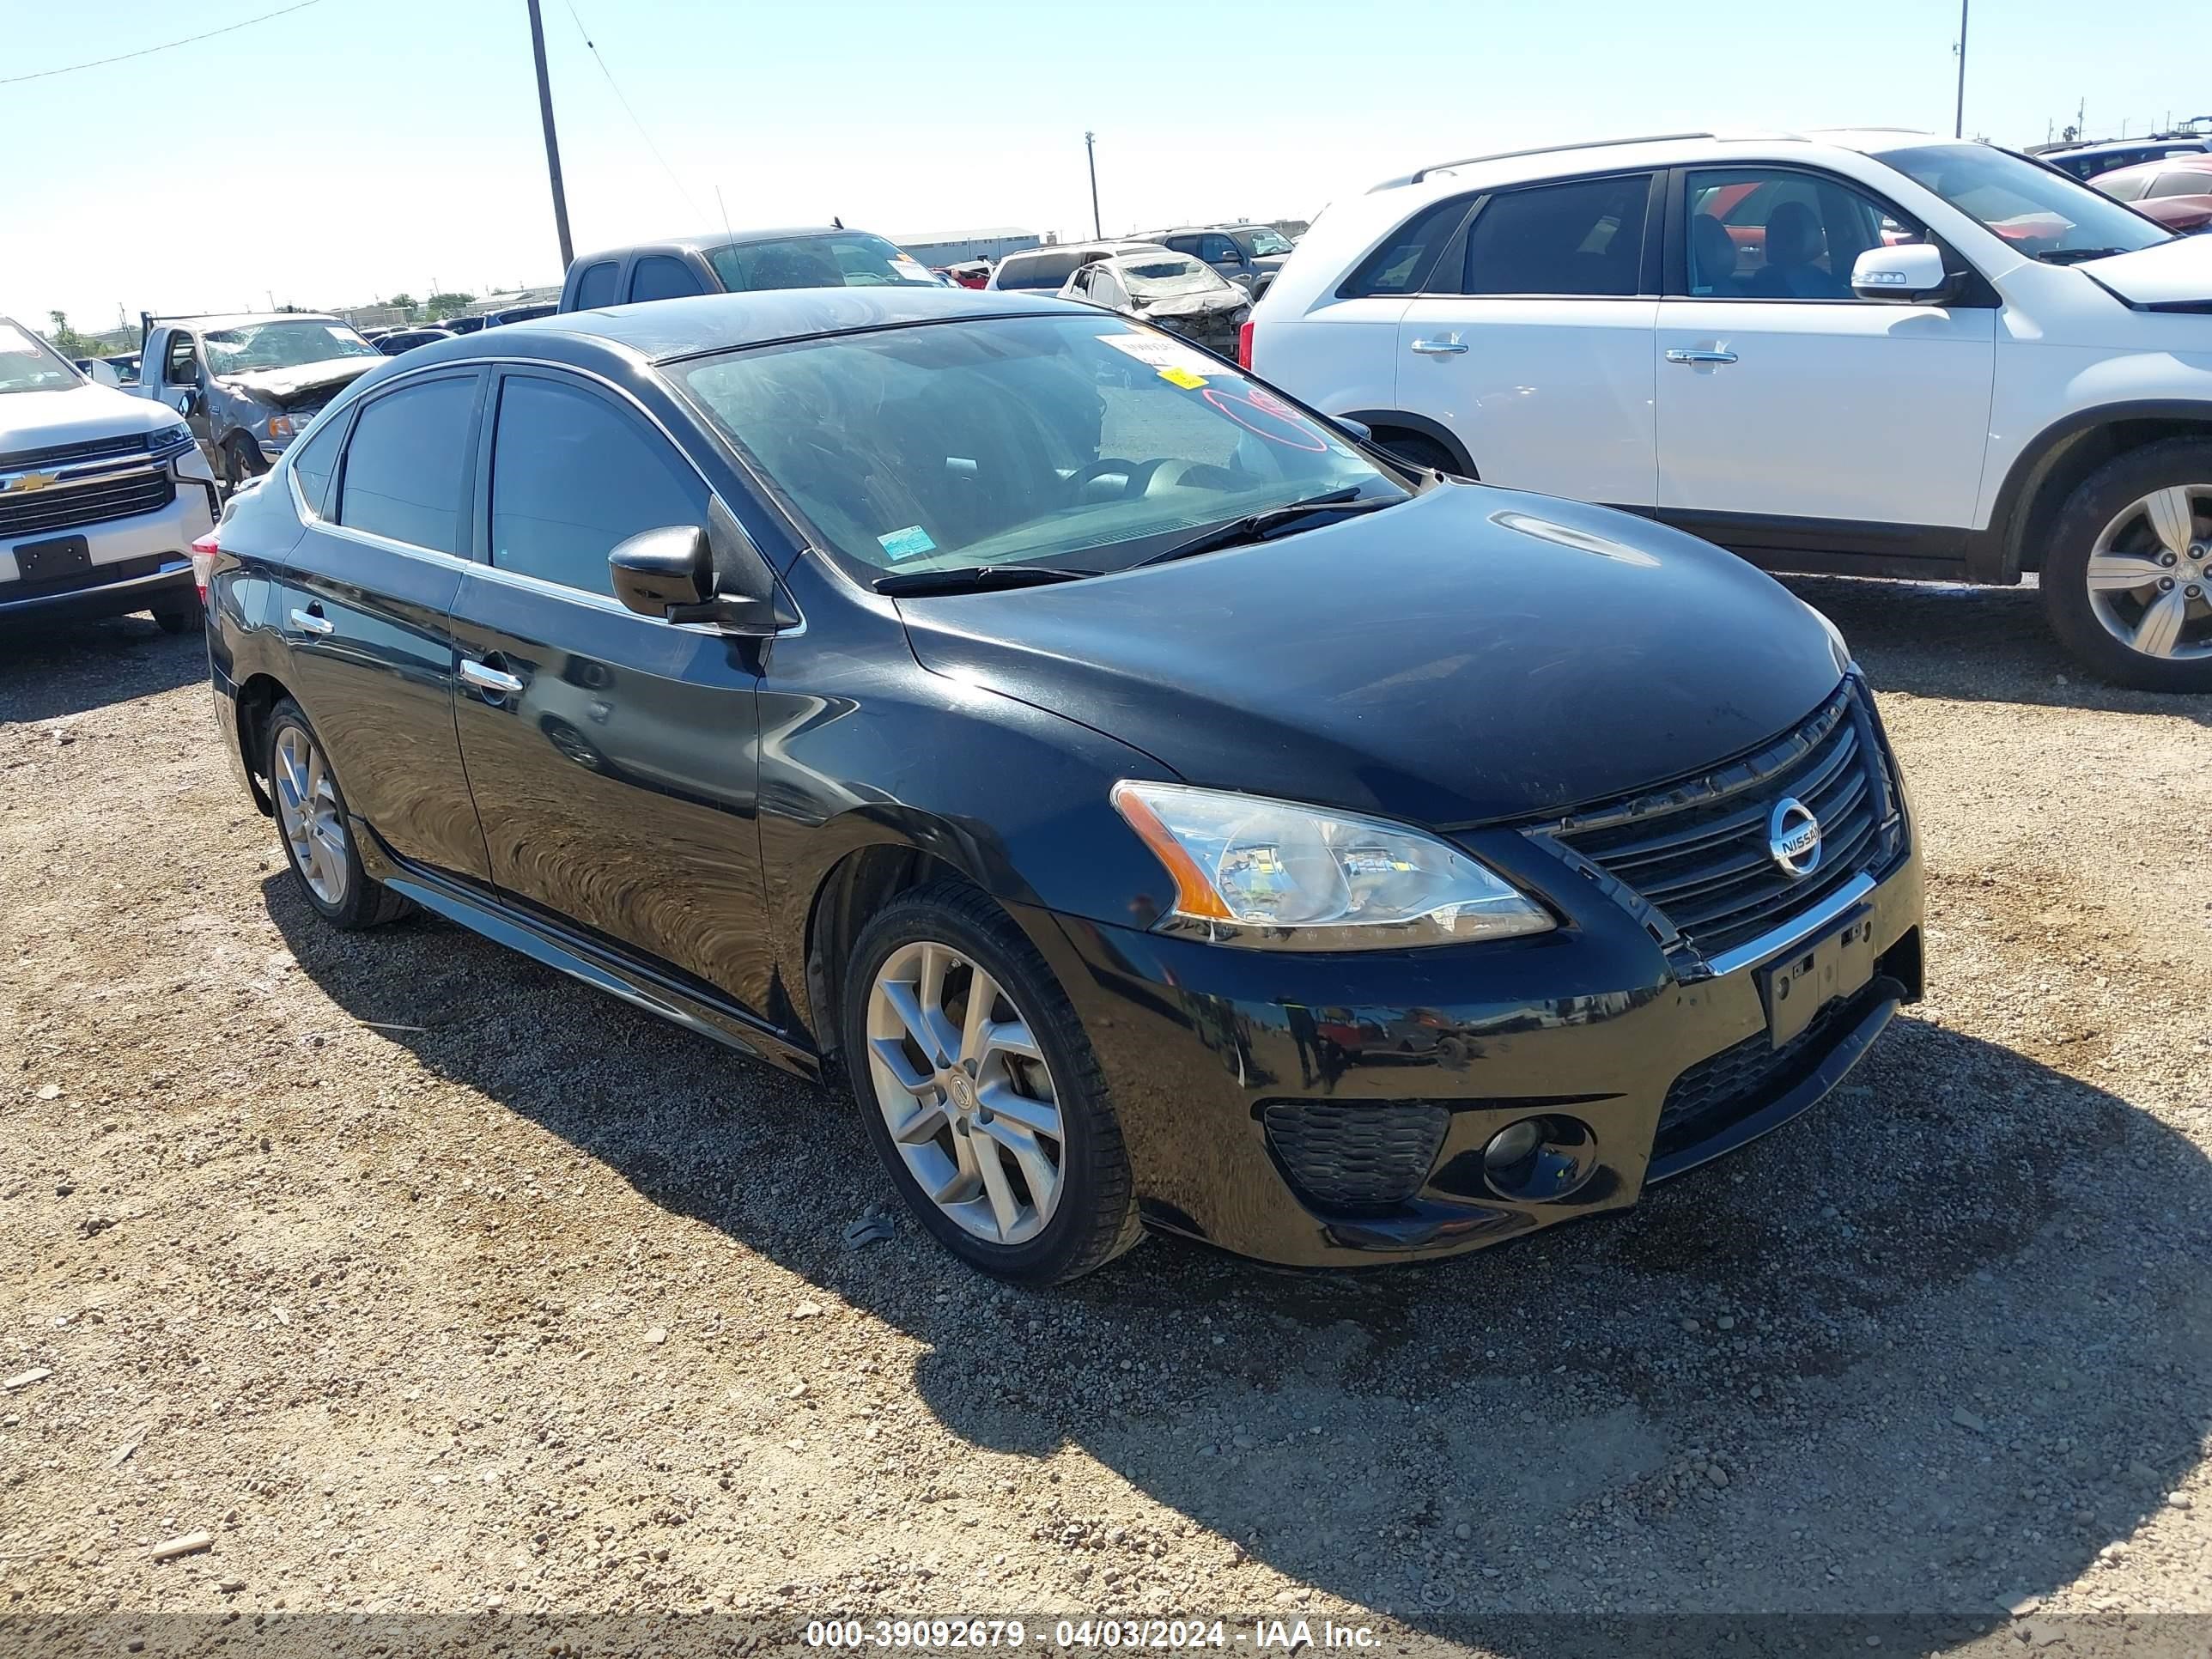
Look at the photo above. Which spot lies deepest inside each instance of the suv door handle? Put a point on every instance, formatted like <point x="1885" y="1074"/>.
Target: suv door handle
<point x="311" y="620"/>
<point x="1677" y="355"/>
<point x="1438" y="348"/>
<point x="497" y="681"/>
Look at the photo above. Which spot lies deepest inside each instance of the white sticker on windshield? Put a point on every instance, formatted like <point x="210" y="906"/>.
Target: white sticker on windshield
<point x="913" y="271"/>
<point x="907" y="543"/>
<point x="1155" y="352"/>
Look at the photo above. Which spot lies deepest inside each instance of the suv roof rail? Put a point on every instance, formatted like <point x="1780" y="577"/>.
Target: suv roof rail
<point x="1416" y="176"/>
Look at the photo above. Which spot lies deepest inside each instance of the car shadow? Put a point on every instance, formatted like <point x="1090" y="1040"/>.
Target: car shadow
<point x="1976" y="644"/>
<point x="50" y="671"/>
<point x="1920" y="1354"/>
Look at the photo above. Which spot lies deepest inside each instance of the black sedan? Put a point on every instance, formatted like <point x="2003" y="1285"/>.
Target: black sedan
<point x="1173" y="812"/>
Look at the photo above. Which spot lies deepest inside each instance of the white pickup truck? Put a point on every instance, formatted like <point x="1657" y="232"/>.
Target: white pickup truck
<point x="101" y="495"/>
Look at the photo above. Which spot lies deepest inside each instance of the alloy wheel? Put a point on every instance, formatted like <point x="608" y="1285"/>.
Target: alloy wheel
<point x="2150" y="574"/>
<point x="966" y="1092"/>
<point x="307" y="812"/>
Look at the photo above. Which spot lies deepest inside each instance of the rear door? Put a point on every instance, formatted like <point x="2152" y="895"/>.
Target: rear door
<point x="613" y="755"/>
<point x="363" y="609"/>
<point x="1792" y="413"/>
<point x="1531" y="339"/>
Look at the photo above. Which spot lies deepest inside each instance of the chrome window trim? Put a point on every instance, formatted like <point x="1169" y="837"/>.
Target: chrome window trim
<point x="484" y="567"/>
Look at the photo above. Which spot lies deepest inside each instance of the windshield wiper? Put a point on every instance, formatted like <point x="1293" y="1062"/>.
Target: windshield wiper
<point x="975" y="578"/>
<point x="2074" y="256"/>
<point x="1255" y="526"/>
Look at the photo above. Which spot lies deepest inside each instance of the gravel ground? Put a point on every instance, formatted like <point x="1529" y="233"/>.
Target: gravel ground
<point x="422" y="1280"/>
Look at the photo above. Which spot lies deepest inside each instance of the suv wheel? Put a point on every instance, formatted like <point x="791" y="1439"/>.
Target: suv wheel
<point x="980" y="1091"/>
<point x="1415" y="450"/>
<point x="182" y="616"/>
<point x="311" y="819"/>
<point x="2127" y="581"/>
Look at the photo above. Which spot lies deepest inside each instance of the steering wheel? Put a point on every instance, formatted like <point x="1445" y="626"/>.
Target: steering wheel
<point x="1136" y="475"/>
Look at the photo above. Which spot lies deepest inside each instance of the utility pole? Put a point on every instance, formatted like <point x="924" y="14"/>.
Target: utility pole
<point x="1098" y="230"/>
<point x="552" y="143"/>
<point x="1959" y="117"/>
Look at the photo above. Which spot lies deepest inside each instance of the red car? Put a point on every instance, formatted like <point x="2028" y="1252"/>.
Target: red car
<point x="2176" y="190"/>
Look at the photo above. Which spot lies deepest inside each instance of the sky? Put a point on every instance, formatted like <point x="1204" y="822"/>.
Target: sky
<point x="360" y="148"/>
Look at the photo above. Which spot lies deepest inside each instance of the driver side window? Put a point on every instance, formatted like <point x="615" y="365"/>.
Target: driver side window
<point x="181" y="366"/>
<point x="1778" y="233"/>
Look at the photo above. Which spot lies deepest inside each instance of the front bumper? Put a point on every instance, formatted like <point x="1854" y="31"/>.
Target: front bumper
<point x="136" y="564"/>
<point x="1228" y="1066"/>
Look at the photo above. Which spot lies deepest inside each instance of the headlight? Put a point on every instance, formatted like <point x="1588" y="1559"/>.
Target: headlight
<point x="1271" y="875"/>
<point x="280" y="426"/>
<point x="163" y="439"/>
<point x="1836" y="645"/>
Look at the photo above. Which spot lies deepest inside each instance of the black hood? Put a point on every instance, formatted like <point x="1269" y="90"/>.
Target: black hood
<point x="1475" y="654"/>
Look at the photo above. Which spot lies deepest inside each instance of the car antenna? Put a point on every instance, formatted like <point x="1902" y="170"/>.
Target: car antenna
<point x="724" y="209"/>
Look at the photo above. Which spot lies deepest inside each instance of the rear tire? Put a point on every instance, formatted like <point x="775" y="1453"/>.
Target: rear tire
<point x="2127" y="577"/>
<point x="313" y="826"/>
<point x="1036" y="1217"/>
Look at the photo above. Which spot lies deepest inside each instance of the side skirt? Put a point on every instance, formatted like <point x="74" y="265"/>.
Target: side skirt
<point x="602" y="969"/>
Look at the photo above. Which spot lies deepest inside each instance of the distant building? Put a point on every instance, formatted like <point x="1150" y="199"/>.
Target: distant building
<point x="939" y="248"/>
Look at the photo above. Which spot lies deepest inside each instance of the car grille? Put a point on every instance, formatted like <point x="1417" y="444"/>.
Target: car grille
<point x="1355" y="1158"/>
<point x="91" y="449"/>
<point x="72" y="507"/>
<point x="1698" y="853"/>
<point x="1737" y="1081"/>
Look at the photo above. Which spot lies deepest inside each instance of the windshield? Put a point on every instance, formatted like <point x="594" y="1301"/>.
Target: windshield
<point x="1261" y="241"/>
<point x="1165" y="274"/>
<point x="849" y="259"/>
<point x="1079" y="441"/>
<point x="2042" y="213"/>
<point x="285" y="344"/>
<point x="26" y="364"/>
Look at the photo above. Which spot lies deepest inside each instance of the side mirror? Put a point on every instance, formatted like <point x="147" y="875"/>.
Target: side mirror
<point x="1911" y="273"/>
<point x="672" y="574"/>
<point x="188" y="402"/>
<point x="1360" y="431"/>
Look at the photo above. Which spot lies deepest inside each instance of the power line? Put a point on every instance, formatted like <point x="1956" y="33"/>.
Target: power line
<point x="590" y="46"/>
<point x="166" y="46"/>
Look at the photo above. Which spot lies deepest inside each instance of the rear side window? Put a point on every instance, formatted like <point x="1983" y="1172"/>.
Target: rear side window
<point x="1585" y="238"/>
<point x="314" y="461"/>
<point x="659" y="277"/>
<point x="2180" y="181"/>
<point x="596" y="287"/>
<point x="1401" y="264"/>
<point x="405" y="463"/>
<point x="571" y="476"/>
<point x="1038" y="271"/>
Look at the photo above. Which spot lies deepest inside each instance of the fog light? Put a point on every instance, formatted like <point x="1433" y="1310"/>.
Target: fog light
<point x="1513" y="1143"/>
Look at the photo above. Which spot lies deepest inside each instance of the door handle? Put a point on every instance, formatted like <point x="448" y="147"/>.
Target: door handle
<point x="1439" y="348"/>
<point x="311" y="620"/>
<point x="1677" y="355"/>
<point x="497" y="681"/>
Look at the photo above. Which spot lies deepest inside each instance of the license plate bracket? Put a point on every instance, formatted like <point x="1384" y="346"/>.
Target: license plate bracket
<point x="48" y="561"/>
<point x="1814" y="975"/>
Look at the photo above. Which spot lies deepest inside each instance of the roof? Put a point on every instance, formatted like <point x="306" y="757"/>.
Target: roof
<point x="660" y="330"/>
<point x="705" y="240"/>
<point x="1657" y="150"/>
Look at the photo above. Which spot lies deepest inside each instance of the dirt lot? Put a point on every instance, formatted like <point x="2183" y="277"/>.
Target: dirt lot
<point x="423" y="1280"/>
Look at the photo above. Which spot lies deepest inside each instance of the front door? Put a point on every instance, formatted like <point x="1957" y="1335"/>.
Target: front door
<point x="1789" y="409"/>
<point x="362" y="604"/>
<point x="614" y="756"/>
<point x="1534" y="345"/>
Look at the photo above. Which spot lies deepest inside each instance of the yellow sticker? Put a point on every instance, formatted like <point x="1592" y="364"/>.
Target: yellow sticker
<point x="1183" y="378"/>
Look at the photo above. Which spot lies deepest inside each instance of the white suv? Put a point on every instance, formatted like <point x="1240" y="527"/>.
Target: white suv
<point x="1873" y="353"/>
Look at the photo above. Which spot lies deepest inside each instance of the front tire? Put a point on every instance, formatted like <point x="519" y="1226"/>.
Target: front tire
<point x="310" y="821"/>
<point x="980" y="1092"/>
<point x="241" y="463"/>
<point x="2127" y="580"/>
<point x="183" y="616"/>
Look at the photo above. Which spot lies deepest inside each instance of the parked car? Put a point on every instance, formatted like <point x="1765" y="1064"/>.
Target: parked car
<point x="506" y="315"/>
<point x="747" y="262"/>
<point x="1046" y="270"/>
<point x="247" y="385"/>
<point x="1248" y="255"/>
<point x="461" y="325"/>
<point x="878" y="674"/>
<point x="1792" y="348"/>
<point x="2176" y="191"/>
<point x="406" y="339"/>
<point x="125" y="364"/>
<point x="1172" y="290"/>
<point x="101" y="495"/>
<point x="2084" y="161"/>
<point x="969" y="273"/>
